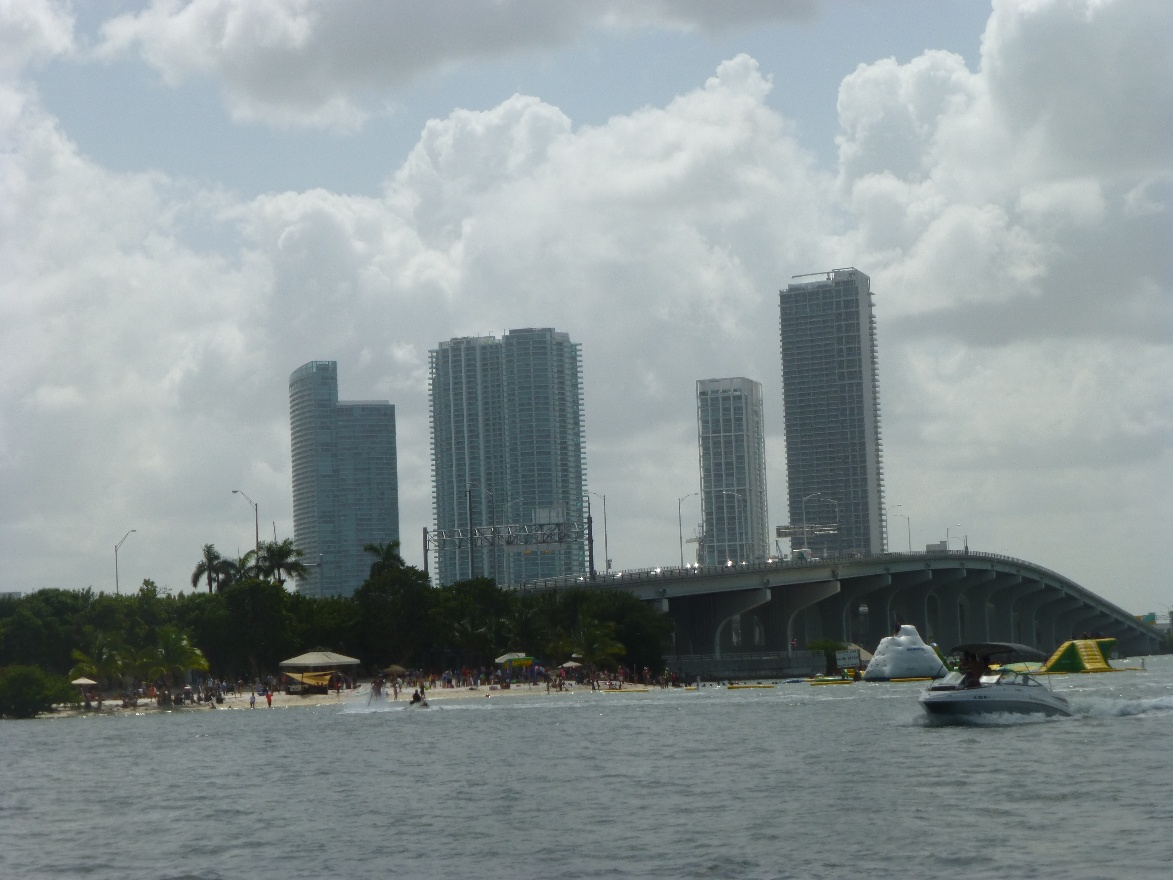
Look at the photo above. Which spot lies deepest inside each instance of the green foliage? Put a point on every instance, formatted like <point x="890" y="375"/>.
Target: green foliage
<point x="248" y="624"/>
<point x="26" y="691"/>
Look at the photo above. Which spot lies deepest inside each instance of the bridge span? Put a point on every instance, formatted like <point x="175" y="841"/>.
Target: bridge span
<point x="950" y="596"/>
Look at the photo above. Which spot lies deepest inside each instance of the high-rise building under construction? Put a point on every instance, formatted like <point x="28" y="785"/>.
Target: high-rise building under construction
<point x="835" y="479"/>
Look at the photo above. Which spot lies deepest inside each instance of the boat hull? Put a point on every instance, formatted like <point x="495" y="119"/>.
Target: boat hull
<point x="992" y="699"/>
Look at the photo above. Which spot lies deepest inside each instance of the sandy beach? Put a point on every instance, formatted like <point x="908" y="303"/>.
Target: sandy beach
<point x="358" y="696"/>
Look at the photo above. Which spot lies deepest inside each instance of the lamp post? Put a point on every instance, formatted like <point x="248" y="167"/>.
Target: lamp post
<point x="908" y="524"/>
<point x="116" y="546"/>
<point x="606" y="544"/>
<point x="947" y="528"/>
<point x="256" y="518"/>
<point x="680" y="523"/>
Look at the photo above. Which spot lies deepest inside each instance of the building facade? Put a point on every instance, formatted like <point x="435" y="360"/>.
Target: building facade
<point x="834" y="464"/>
<point x="732" y="440"/>
<point x="507" y="448"/>
<point x="345" y="481"/>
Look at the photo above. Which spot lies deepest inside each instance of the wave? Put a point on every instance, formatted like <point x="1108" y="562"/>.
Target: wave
<point x="1102" y="707"/>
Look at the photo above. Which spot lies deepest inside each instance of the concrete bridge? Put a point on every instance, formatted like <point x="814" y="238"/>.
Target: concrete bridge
<point x="951" y="597"/>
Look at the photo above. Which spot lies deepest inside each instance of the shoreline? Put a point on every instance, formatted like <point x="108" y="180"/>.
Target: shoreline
<point x="281" y="700"/>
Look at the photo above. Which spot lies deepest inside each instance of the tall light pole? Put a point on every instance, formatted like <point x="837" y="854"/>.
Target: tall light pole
<point x="947" y="528"/>
<point x="116" y="546"/>
<point x="256" y="520"/>
<point x="606" y="545"/>
<point x="907" y="523"/>
<point x="680" y="523"/>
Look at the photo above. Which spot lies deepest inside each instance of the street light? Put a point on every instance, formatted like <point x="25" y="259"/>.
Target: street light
<point x="680" y="523"/>
<point x="606" y="544"/>
<point x="947" y="528"/>
<point x="908" y="524"/>
<point x="116" y="546"/>
<point x="256" y="518"/>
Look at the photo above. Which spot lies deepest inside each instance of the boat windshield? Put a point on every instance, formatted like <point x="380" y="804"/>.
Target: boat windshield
<point x="1009" y="676"/>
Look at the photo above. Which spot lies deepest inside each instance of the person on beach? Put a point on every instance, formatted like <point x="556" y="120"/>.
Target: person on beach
<point x="269" y="697"/>
<point x="252" y="701"/>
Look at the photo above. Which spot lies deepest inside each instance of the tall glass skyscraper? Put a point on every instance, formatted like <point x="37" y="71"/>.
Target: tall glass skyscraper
<point x="732" y="440"/>
<point x="507" y="448"/>
<point x="345" y="484"/>
<point x="832" y="408"/>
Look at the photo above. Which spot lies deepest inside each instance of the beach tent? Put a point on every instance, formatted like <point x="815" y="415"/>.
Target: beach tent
<point x="320" y="660"/>
<point x="514" y="659"/>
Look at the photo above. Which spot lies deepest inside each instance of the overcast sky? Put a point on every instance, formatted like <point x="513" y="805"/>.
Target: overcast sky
<point x="198" y="197"/>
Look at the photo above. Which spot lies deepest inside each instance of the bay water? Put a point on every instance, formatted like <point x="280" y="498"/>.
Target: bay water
<point x="789" y="782"/>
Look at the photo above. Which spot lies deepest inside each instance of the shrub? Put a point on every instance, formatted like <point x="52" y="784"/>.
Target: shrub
<point x="26" y="691"/>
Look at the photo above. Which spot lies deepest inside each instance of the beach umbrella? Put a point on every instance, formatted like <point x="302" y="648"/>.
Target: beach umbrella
<point x="395" y="669"/>
<point x="509" y="658"/>
<point x="571" y="664"/>
<point x="84" y="682"/>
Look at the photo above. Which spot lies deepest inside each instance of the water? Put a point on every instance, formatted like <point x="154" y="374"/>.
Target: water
<point x="795" y="782"/>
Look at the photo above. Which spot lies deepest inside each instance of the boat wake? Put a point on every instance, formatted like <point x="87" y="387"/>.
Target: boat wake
<point x="1100" y="707"/>
<point x="373" y="707"/>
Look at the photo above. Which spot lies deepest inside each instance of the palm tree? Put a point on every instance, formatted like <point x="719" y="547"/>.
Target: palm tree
<point x="233" y="570"/>
<point x="105" y="661"/>
<point x="387" y="557"/>
<point x="596" y="642"/>
<point x="279" y="558"/>
<point x="209" y="568"/>
<point x="174" y="655"/>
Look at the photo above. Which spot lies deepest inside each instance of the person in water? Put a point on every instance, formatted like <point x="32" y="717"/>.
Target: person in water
<point x="416" y="698"/>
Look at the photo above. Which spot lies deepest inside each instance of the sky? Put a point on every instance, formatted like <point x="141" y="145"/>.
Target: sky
<point x="198" y="197"/>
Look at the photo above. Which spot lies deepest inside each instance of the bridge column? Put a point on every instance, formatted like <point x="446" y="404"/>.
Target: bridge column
<point x="1000" y="607"/>
<point x="838" y="609"/>
<point x="1029" y="631"/>
<point x="729" y="605"/>
<point x="1073" y="610"/>
<point x="790" y="600"/>
<point x="949" y="605"/>
<point x="898" y="602"/>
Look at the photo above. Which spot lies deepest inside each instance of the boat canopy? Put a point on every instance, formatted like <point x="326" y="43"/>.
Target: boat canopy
<point x="982" y="649"/>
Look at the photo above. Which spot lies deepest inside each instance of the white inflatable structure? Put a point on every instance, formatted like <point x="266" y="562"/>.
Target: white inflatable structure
<point x="904" y="655"/>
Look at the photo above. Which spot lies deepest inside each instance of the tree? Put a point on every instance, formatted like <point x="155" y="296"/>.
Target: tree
<point x="387" y="558"/>
<point x="209" y="568"/>
<point x="278" y="558"/>
<point x="105" y="661"/>
<point x="26" y="691"/>
<point x="175" y="655"/>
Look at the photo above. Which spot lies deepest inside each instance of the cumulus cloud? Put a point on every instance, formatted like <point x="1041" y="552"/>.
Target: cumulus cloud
<point x="320" y="63"/>
<point x="1023" y="304"/>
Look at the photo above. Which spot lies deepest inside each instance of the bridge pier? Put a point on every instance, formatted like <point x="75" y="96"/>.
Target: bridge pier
<point x="731" y="605"/>
<point x="1000" y="607"/>
<point x="838" y="609"/>
<point x="792" y="600"/>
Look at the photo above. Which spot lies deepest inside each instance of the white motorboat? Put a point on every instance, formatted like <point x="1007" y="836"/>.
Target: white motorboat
<point x="976" y="689"/>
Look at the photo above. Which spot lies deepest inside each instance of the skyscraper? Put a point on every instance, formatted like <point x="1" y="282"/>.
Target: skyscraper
<point x="732" y="440"/>
<point x="832" y="409"/>
<point x="345" y="485"/>
<point x="507" y="448"/>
